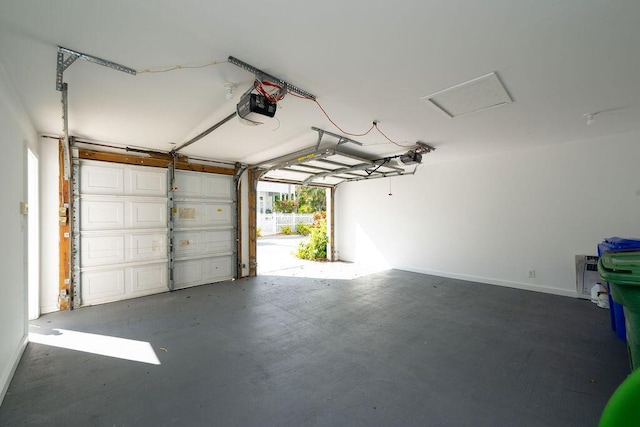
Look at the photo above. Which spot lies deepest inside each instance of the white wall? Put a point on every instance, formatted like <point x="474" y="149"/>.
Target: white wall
<point x="491" y="219"/>
<point x="49" y="229"/>
<point x="17" y="133"/>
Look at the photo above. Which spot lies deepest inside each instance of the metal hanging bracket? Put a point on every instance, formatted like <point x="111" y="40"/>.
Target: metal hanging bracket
<point x="264" y="76"/>
<point x="423" y="148"/>
<point x="341" y="139"/>
<point x="63" y="63"/>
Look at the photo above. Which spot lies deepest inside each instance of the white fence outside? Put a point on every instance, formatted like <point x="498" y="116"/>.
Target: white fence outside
<point x="270" y="224"/>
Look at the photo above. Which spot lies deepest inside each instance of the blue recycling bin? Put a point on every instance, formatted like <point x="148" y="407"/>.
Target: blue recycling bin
<point x="616" y="310"/>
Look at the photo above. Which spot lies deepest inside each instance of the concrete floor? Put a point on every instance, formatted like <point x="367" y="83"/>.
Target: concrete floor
<point x="390" y="348"/>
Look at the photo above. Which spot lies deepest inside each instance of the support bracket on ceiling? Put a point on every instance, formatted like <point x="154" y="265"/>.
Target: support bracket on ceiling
<point x="261" y="75"/>
<point x="63" y="63"/>
<point x="341" y="139"/>
<point x="423" y="148"/>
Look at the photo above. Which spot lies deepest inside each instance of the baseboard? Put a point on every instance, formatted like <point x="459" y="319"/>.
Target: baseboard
<point x="489" y="281"/>
<point x="48" y="309"/>
<point x="7" y="375"/>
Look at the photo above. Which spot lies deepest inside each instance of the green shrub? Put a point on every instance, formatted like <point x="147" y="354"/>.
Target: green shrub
<point x="286" y="206"/>
<point x="316" y="247"/>
<point x="286" y="229"/>
<point x="304" y="229"/>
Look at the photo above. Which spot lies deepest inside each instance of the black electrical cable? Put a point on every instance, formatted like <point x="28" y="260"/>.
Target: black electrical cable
<point x="385" y="161"/>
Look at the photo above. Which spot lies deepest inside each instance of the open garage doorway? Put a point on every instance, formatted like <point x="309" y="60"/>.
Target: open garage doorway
<point x="290" y="219"/>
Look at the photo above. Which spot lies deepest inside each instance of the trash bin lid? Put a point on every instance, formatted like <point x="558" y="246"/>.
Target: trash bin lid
<point x="617" y="244"/>
<point x="622" y="260"/>
<point x="622" y="268"/>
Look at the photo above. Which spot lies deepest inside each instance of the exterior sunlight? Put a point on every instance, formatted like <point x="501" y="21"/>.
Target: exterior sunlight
<point x="121" y="348"/>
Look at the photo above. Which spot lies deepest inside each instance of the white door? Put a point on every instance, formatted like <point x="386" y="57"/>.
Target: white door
<point x="33" y="234"/>
<point x="123" y="231"/>
<point x="203" y="229"/>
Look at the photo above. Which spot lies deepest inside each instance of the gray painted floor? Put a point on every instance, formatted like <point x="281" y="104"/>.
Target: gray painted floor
<point x="392" y="348"/>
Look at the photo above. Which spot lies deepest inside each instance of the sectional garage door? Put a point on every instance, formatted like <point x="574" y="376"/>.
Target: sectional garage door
<point x="203" y="229"/>
<point x="123" y="231"/>
<point x="128" y="217"/>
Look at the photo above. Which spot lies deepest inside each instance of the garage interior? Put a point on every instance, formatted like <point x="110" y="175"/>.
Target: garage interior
<point x="470" y="150"/>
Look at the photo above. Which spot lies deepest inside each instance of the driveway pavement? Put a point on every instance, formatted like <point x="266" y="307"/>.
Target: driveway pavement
<point x="278" y="253"/>
<point x="276" y="257"/>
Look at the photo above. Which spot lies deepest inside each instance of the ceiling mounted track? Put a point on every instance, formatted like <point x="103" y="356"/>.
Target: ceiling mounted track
<point x="326" y="168"/>
<point x="205" y="133"/>
<point x="261" y="75"/>
<point x="63" y="63"/>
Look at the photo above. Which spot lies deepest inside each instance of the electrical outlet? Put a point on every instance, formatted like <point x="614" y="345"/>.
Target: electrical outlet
<point x="531" y="273"/>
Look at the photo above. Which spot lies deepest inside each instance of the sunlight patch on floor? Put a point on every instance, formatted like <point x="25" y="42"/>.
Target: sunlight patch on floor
<point x="330" y="270"/>
<point x="121" y="348"/>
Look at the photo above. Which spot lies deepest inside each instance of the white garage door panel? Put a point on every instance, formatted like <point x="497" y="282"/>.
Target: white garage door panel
<point x="188" y="184"/>
<point x="121" y="213"/>
<point x="202" y="271"/>
<point x="148" y="247"/>
<point x="190" y="214"/>
<point x="186" y="273"/>
<point x="220" y="242"/>
<point x="146" y="182"/>
<point x="197" y="243"/>
<point x="101" y="215"/>
<point x="187" y="243"/>
<point x="217" y="215"/>
<point x="218" y="269"/>
<point x="149" y="279"/>
<point x="99" y="249"/>
<point x="217" y="187"/>
<point x="147" y="215"/>
<point x="112" y="178"/>
<point x="187" y="215"/>
<point x="102" y="286"/>
<point x="105" y="179"/>
<point x="102" y="250"/>
<point x="200" y="185"/>
<point x="123" y="231"/>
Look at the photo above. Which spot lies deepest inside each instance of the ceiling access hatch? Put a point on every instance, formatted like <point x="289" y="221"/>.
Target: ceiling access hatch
<point x="469" y="97"/>
<point x="326" y="168"/>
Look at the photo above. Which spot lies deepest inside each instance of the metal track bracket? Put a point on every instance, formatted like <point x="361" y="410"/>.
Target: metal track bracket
<point x="341" y="139"/>
<point x="63" y="63"/>
<point x="264" y="76"/>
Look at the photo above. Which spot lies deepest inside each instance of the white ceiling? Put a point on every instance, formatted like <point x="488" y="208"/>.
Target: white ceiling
<point x="363" y="60"/>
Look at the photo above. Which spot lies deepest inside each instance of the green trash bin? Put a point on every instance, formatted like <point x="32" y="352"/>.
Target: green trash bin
<point x="623" y="409"/>
<point x="622" y="271"/>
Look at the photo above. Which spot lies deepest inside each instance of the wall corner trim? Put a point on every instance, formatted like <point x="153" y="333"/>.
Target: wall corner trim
<point x="7" y="375"/>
